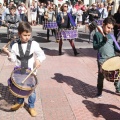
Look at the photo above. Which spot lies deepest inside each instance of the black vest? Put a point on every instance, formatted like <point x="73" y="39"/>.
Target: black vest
<point x="24" y="57"/>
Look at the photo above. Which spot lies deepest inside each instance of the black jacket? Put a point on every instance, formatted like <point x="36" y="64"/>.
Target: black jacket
<point x="92" y="17"/>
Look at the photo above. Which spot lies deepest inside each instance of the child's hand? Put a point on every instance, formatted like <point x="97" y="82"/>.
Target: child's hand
<point x="5" y="49"/>
<point x="37" y="63"/>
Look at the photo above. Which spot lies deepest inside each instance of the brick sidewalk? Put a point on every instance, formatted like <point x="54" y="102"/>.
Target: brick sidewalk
<point x="66" y="90"/>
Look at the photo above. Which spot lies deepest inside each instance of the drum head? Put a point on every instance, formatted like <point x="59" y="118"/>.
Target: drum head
<point x="111" y="64"/>
<point x="17" y="77"/>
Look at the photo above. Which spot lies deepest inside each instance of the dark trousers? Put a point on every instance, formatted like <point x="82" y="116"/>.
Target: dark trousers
<point x="48" y="33"/>
<point x="22" y="16"/>
<point x="41" y="17"/>
<point x="101" y="79"/>
<point x="72" y="45"/>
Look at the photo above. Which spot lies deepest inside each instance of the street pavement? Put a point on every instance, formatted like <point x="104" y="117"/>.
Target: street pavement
<point x="67" y="84"/>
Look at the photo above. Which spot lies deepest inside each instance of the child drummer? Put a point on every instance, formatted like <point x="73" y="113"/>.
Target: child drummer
<point x="64" y="21"/>
<point x="106" y="49"/>
<point x="25" y="44"/>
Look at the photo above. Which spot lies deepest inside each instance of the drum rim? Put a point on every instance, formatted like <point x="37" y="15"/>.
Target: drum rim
<point x="20" y="96"/>
<point x="106" y="61"/>
<point x="20" y="87"/>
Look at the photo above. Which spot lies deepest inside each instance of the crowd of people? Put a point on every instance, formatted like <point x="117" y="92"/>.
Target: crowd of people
<point x="79" y="11"/>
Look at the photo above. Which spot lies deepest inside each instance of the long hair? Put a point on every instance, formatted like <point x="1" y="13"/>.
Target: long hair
<point x="63" y="6"/>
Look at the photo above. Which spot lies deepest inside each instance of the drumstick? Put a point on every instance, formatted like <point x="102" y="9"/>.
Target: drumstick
<point x="29" y="74"/>
<point x="100" y="30"/>
<point x="9" y="42"/>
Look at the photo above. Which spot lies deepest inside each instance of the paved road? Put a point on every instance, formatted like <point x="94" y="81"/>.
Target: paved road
<point x="66" y="89"/>
<point x="40" y="36"/>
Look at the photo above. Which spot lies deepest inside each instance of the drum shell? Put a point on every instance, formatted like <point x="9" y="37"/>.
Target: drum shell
<point x="99" y="22"/>
<point x="20" y="91"/>
<point x="67" y="34"/>
<point x="50" y="25"/>
<point x="111" y="69"/>
<point x="111" y="76"/>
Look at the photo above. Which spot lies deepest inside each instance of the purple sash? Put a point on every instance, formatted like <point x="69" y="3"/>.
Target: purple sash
<point x="115" y="41"/>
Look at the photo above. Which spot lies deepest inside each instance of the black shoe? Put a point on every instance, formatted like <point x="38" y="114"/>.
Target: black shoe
<point x="76" y="53"/>
<point x="99" y="97"/>
<point x="48" y="40"/>
<point x="60" y="53"/>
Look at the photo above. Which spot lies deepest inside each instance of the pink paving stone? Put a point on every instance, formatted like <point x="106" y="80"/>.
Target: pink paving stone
<point x="69" y="94"/>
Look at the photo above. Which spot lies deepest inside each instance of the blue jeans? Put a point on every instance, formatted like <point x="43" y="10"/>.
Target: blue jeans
<point x="22" y="16"/>
<point x="31" y="100"/>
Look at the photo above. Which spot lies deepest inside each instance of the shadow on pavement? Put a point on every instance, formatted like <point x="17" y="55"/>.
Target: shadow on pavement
<point x="82" y="37"/>
<point x="79" y="87"/>
<point x="6" y="98"/>
<point x="83" y="52"/>
<point x="107" y="111"/>
<point x="56" y="52"/>
<point x="50" y="52"/>
<point x="39" y="37"/>
<point x="88" y="52"/>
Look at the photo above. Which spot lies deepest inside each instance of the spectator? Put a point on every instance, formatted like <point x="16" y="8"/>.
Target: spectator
<point x="109" y="9"/>
<point x="41" y="14"/>
<point x="103" y="11"/>
<point x="33" y="11"/>
<point x="69" y="7"/>
<point x="85" y="16"/>
<point x="22" y="11"/>
<point x="7" y="10"/>
<point x="77" y="5"/>
<point x="117" y="25"/>
<point x="4" y="5"/>
<point x="79" y="17"/>
<point x="1" y="12"/>
<point x="59" y="6"/>
<point x="74" y="13"/>
<point x="93" y="13"/>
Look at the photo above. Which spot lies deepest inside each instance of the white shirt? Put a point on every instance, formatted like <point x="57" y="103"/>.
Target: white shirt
<point x="69" y="8"/>
<point x="105" y="13"/>
<point x="79" y="15"/>
<point x="21" y="9"/>
<point x="8" y="12"/>
<point x="35" y="49"/>
<point x="74" y="11"/>
<point x="41" y="11"/>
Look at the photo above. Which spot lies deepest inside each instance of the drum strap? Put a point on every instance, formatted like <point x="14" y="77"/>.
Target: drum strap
<point x="115" y="41"/>
<point x="24" y="57"/>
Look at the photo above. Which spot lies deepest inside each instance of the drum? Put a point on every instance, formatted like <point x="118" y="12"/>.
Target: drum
<point x="50" y="25"/>
<point x="67" y="34"/>
<point x="111" y="69"/>
<point x="19" y="89"/>
<point x="92" y="26"/>
<point x="99" y="22"/>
